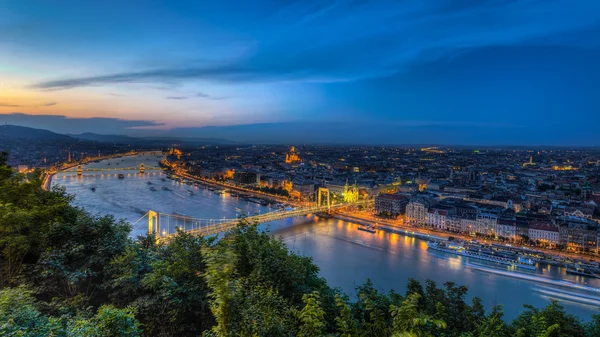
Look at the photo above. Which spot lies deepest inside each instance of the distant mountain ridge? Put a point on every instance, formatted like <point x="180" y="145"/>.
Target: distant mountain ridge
<point x="152" y="140"/>
<point x="23" y="132"/>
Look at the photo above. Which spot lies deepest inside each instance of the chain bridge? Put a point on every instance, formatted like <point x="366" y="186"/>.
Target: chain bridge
<point x="165" y="225"/>
<point x="141" y="168"/>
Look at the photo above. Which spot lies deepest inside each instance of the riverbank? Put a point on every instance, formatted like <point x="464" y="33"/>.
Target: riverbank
<point x="49" y="174"/>
<point x="427" y="234"/>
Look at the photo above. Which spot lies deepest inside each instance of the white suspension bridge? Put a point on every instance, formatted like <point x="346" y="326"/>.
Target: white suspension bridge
<point x="165" y="225"/>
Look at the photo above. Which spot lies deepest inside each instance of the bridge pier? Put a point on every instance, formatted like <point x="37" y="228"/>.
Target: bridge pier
<point x="154" y="223"/>
<point x="79" y="170"/>
<point x="142" y="169"/>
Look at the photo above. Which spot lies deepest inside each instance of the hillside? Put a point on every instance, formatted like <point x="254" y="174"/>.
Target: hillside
<point x="22" y="132"/>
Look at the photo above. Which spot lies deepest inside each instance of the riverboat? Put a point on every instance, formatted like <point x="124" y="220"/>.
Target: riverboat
<point x="163" y="179"/>
<point x="152" y="188"/>
<point x="165" y="188"/>
<point x="93" y="189"/>
<point x="460" y="250"/>
<point x="149" y="182"/>
<point x="121" y="176"/>
<point x="370" y="229"/>
<point x="190" y="192"/>
<point x="577" y="269"/>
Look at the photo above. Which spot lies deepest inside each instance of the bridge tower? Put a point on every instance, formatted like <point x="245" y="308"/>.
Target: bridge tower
<point x="153" y="223"/>
<point x="142" y="169"/>
<point x="323" y="191"/>
<point x="79" y="170"/>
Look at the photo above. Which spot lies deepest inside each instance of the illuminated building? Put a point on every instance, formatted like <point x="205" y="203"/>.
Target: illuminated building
<point x="350" y="193"/>
<point x="292" y="156"/>
<point x="392" y="204"/>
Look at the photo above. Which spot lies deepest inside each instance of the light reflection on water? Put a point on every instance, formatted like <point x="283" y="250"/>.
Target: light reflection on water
<point x="346" y="255"/>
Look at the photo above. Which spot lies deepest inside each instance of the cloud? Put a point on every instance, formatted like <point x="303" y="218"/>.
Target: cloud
<point x="198" y="95"/>
<point x="343" y="41"/>
<point x="65" y="124"/>
<point x="22" y="106"/>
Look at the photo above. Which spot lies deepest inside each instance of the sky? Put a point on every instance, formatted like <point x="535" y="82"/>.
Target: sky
<point x="479" y="72"/>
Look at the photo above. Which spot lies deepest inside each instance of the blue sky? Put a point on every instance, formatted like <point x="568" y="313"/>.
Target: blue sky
<point x="389" y="71"/>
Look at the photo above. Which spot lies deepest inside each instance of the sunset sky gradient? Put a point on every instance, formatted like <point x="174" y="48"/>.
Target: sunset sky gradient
<point x="388" y="71"/>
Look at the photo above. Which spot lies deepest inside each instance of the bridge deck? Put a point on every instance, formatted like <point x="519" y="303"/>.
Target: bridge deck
<point x="214" y="226"/>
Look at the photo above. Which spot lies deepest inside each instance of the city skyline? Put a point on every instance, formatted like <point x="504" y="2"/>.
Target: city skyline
<point x="373" y="72"/>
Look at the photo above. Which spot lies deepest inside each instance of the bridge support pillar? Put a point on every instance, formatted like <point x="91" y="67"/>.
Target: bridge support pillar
<point x="142" y="169"/>
<point x="153" y="223"/>
<point x="320" y="192"/>
<point x="79" y="170"/>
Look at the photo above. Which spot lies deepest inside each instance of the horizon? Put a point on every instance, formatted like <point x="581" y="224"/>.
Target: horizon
<point x="491" y="73"/>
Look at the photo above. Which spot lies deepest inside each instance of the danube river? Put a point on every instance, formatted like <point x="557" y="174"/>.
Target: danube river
<point x="345" y="255"/>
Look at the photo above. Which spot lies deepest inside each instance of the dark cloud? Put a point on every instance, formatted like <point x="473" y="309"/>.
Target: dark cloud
<point x="49" y="104"/>
<point x="177" y="97"/>
<point x="10" y="105"/>
<point x="64" y="124"/>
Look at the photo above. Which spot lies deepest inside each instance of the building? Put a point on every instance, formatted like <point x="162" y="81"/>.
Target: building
<point x="292" y="156"/>
<point x="506" y="228"/>
<point x="247" y="178"/>
<point x="578" y="234"/>
<point x="391" y="204"/>
<point x="544" y="232"/>
<point x="438" y="215"/>
<point x="416" y="213"/>
<point x="485" y="224"/>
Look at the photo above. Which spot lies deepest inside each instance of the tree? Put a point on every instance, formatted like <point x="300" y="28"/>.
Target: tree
<point x="409" y="322"/>
<point x="108" y="322"/>
<point x="19" y="315"/>
<point x="311" y="317"/>
<point x="493" y="325"/>
<point x="346" y="324"/>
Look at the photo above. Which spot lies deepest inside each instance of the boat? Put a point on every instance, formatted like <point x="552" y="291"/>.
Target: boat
<point x="577" y="269"/>
<point x="264" y="203"/>
<point x="163" y="179"/>
<point x="152" y="188"/>
<point x="93" y="189"/>
<point x="190" y="192"/>
<point x="121" y="176"/>
<point x="189" y="183"/>
<point x="370" y="228"/>
<point x="149" y="182"/>
<point x="165" y="188"/>
<point x="458" y="249"/>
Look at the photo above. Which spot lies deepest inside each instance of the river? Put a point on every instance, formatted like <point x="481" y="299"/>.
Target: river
<point x="345" y="255"/>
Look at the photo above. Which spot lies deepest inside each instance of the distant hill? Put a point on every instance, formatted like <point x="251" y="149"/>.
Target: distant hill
<point x="148" y="140"/>
<point x="104" y="138"/>
<point x="22" y="132"/>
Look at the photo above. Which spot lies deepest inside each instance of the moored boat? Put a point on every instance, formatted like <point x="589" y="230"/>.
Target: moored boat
<point x="577" y="269"/>
<point x="121" y="176"/>
<point x="370" y="229"/>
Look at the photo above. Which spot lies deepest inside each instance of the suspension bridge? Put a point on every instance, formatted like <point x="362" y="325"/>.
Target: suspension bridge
<point x="165" y="225"/>
<point x="80" y="169"/>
